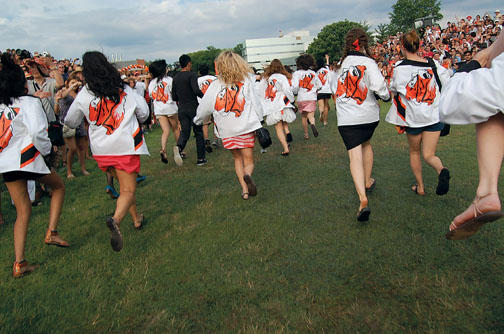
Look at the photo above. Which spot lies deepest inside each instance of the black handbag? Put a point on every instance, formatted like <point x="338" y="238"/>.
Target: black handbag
<point x="55" y="132"/>
<point x="264" y="137"/>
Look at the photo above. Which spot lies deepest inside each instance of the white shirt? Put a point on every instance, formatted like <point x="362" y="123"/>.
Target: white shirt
<point x="417" y="93"/>
<point x="204" y="82"/>
<point x="23" y="136"/>
<point x="236" y="109"/>
<point x="114" y="129"/>
<point x="140" y="88"/>
<point x="357" y="80"/>
<point x="475" y="96"/>
<point x="305" y="84"/>
<point x="160" y="94"/>
<point x="324" y="77"/>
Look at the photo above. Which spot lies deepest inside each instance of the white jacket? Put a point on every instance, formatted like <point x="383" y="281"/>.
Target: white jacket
<point x="358" y="79"/>
<point x="416" y="93"/>
<point x="204" y="82"/>
<point x="23" y="136"/>
<point x="305" y="84"/>
<point x="475" y="96"/>
<point x="113" y="128"/>
<point x="324" y="76"/>
<point x="160" y="94"/>
<point x="236" y="109"/>
<point x="275" y="94"/>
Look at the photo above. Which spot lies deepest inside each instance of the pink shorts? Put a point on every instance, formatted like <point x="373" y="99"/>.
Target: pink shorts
<point x="307" y="106"/>
<point x="243" y="141"/>
<point x="128" y="163"/>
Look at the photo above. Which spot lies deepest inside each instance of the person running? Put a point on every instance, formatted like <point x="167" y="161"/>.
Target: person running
<point x="204" y="81"/>
<point x="237" y="112"/>
<point x="278" y="100"/>
<point x="475" y="95"/>
<point x="416" y="84"/>
<point x="25" y="151"/>
<point x="324" y="93"/>
<point x="185" y="91"/>
<point x="358" y="79"/>
<point x="113" y="111"/>
<point x="165" y="108"/>
<point x="305" y="84"/>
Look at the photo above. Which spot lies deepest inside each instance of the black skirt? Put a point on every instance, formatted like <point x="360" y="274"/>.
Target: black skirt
<point x="354" y="135"/>
<point x="21" y="175"/>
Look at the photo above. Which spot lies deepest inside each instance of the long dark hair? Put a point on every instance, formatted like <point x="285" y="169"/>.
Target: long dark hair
<point x="359" y="35"/>
<point x="101" y="77"/>
<point x="158" y="69"/>
<point x="12" y="80"/>
<point x="276" y="66"/>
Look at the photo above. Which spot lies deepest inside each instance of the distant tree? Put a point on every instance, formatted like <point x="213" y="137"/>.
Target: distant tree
<point x="331" y="39"/>
<point x="239" y="49"/>
<point x="406" y="12"/>
<point x="204" y="57"/>
<point x="382" y="32"/>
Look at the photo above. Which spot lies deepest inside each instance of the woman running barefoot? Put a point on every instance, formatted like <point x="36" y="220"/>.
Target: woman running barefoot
<point x="416" y="84"/>
<point x="277" y="100"/>
<point x="305" y="84"/>
<point x="24" y="144"/>
<point x="478" y="97"/>
<point x="165" y="108"/>
<point x="237" y="112"/>
<point x="358" y="80"/>
<point x="113" y="111"/>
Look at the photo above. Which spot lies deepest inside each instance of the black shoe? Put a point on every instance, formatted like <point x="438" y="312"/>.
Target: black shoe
<point x="116" y="240"/>
<point x="443" y="182"/>
<point x="289" y="137"/>
<point x="201" y="162"/>
<point x="314" y="130"/>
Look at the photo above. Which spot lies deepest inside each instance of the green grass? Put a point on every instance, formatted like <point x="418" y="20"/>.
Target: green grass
<point x="293" y="259"/>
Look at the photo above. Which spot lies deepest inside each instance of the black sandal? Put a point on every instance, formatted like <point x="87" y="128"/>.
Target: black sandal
<point x="164" y="158"/>
<point x="252" y="189"/>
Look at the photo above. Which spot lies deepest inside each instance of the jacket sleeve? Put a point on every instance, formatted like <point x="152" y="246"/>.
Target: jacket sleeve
<point x="286" y="89"/>
<point x="141" y="109"/>
<point x="75" y="113"/>
<point x="444" y="74"/>
<point x="377" y="82"/>
<point x="256" y="101"/>
<point x="295" y="83"/>
<point x="206" y="106"/>
<point x="174" y="91"/>
<point x="36" y="121"/>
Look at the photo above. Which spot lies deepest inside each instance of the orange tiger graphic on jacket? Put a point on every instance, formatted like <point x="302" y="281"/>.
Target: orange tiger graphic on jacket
<point x="104" y="112"/>
<point x="351" y="85"/>
<point x="323" y="77"/>
<point x="159" y="93"/>
<point x="231" y="100"/>
<point x="6" y="117"/>
<point x="421" y="87"/>
<point x="204" y="85"/>
<point x="271" y="90"/>
<point x="306" y="82"/>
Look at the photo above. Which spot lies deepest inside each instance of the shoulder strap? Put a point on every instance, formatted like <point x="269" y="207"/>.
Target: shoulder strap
<point x="434" y="68"/>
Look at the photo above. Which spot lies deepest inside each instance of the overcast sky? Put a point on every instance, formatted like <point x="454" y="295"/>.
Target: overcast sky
<point x="153" y="29"/>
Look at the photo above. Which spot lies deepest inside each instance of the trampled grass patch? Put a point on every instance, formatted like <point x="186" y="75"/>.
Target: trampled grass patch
<point x="293" y="259"/>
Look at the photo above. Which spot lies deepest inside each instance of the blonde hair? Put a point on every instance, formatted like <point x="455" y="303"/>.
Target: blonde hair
<point x="231" y="68"/>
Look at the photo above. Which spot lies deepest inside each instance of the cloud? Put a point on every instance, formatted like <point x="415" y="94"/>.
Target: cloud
<point x="166" y="28"/>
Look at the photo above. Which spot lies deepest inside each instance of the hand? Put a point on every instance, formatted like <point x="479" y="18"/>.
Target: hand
<point x="42" y="95"/>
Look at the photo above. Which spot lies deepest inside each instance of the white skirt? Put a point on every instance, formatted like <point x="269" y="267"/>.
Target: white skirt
<point x="165" y="112"/>
<point x="286" y="115"/>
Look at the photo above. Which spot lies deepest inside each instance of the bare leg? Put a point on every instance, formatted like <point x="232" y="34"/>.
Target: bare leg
<point x="304" y="121"/>
<point x="165" y="126"/>
<point x="58" y="196"/>
<point x="429" y="144"/>
<point x="238" y="161"/>
<point x="205" y="131"/>
<point x="286" y="127"/>
<point x="175" y="126"/>
<point x="248" y="160"/>
<point x="326" y="111"/>
<point x="321" y="107"/>
<point x="72" y="148"/>
<point x="415" y="142"/>
<point x="368" y="157"/>
<point x="311" y="117"/>
<point x="358" y="174"/>
<point x="281" y="136"/>
<point x="127" y="185"/>
<point x="19" y="195"/>
<point x="81" y="153"/>
<point x="490" y="140"/>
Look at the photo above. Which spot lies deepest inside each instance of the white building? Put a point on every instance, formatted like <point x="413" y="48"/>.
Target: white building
<point x="261" y="51"/>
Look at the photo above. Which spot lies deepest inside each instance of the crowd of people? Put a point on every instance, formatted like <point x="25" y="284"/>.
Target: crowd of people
<point x="51" y="110"/>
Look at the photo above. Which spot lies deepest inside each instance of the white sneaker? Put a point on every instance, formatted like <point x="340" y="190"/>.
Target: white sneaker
<point x="176" y="156"/>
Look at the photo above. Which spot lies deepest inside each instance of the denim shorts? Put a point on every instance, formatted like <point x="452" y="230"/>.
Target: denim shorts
<point x="430" y="128"/>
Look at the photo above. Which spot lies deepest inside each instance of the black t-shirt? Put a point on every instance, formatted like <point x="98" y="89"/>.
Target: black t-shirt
<point x="185" y="90"/>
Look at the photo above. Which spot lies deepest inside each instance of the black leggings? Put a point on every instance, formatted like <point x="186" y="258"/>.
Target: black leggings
<point x="186" y="120"/>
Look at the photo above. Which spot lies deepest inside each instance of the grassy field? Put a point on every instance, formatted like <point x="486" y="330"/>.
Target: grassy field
<point x="291" y="260"/>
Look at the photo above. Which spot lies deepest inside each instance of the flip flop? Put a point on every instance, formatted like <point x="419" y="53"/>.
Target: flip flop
<point x="371" y="187"/>
<point x="414" y="189"/>
<point x="363" y="215"/>
<point x="443" y="182"/>
<point x="471" y="226"/>
<point x="245" y="196"/>
<point x="252" y="189"/>
<point x="285" y="154"/>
